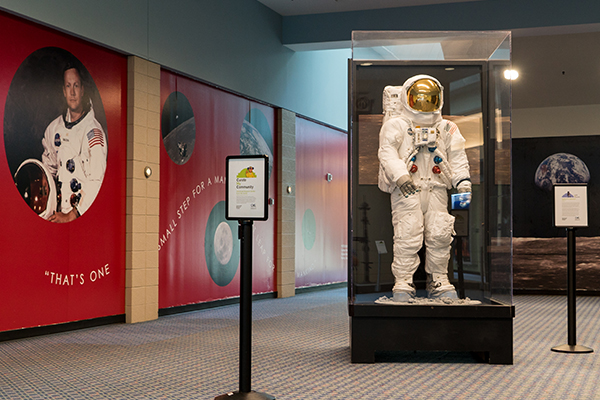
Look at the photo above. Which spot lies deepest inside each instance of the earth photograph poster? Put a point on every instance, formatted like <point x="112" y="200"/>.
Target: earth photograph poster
<point x="539" y="247"/>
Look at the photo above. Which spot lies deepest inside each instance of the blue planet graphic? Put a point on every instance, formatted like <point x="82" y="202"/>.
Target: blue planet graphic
<point x="221" y="246"/>
<point x="561" y="168"/>
<point x="256" y="137"/>
<point x="309" y="229"/>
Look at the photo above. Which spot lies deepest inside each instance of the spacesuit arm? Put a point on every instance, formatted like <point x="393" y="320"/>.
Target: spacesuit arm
<point x="94" y="168"/>
<point x="390" y="140"/>
<point x="457" y="156"/>
<point x="49" y="157"/>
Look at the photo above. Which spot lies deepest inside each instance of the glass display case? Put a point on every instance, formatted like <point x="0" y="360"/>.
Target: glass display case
<point x="471" y="68"/>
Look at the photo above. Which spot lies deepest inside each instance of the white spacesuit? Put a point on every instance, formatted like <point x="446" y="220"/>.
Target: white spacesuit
<point x="75" y="154"/>
<point x="421" y="156"/>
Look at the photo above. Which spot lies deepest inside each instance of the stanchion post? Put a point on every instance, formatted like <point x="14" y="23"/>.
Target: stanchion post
<point x="571" y="346"/>
<point x="246" y="199"/>
<point x="245" y="306"/>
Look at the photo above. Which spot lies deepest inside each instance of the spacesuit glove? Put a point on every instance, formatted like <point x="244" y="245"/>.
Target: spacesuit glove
<point x="464" y="187"/>
<point x="406" y="186"/>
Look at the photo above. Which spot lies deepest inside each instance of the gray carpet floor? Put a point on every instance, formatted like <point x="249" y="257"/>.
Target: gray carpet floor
<point x="300" y="351"/>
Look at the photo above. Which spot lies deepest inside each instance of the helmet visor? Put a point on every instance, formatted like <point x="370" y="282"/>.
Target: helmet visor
<point x="424" y="95"/>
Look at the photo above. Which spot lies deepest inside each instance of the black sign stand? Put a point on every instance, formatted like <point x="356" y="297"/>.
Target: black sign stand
<point x="246" y="206"/>
<point x="245" y="233"/>
<point x="571" y="346"/>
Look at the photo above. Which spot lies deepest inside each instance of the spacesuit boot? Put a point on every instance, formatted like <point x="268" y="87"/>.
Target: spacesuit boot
<point x="404" y="289"/>
<point x="438" y="286"/>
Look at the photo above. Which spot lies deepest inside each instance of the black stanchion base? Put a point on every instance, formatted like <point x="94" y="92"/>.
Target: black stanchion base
<point x="572" y="348"/>
<point x="252" y="395"/>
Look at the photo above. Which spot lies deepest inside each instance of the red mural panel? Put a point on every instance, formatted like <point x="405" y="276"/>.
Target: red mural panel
<point x="321" y="204"/>
<point x="60" y="272"/>
<point x="198" y="249"/>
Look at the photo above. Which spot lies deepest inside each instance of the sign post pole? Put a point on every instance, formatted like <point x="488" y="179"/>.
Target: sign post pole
<point x="570" y="211"/>
<point x="247" y="189"/>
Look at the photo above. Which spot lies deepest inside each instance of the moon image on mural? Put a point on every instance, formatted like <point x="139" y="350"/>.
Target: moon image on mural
<point x="223" y="243"/>
<point x="221" y="248"/>
<point x="561" y="168"/>
<point x="256" y="137"/>
<point x="178" y="127"/>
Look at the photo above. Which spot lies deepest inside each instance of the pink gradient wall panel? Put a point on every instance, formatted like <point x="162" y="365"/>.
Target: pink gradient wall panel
<point x="54" y="273"/>
<point x="198" y="249"/>
<point x="321" y="205"/>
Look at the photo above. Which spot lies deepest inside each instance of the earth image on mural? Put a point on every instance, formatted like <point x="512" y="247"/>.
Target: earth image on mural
<point x="252" y="142"/>
<point x="561" y="168"/>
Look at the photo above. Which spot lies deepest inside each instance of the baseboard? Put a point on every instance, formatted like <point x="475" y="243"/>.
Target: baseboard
<point x="58" y="328"/>
<point x="211" y="304"/>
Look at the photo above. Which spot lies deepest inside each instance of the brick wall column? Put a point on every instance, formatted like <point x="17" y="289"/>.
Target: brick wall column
<point x="286" y="207"/>
<point x="143" y="144"/>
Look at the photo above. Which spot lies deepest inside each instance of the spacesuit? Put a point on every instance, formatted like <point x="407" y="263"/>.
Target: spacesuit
<point x="421" y="156"/>
<point x="75" y="154"/>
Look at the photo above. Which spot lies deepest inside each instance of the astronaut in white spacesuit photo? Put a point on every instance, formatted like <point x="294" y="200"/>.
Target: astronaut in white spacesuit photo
<point x="75" y="150"/>
<point x="421" y="156"/>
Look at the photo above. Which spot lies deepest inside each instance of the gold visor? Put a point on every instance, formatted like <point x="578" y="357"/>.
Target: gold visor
<point x="424" y="96"/>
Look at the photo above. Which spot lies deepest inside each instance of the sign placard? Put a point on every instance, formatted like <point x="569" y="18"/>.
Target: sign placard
<point x="570" y="206"/>
<point x="247" y="188"/>
<point x="381" y="249"/>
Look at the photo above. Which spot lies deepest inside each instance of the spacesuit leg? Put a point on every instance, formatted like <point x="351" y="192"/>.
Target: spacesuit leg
<point x="439" y="228"/>
<point x="407" y="220"/>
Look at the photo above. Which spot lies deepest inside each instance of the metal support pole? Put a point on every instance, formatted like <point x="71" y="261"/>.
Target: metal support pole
<point x="461" y="271"/>
<point x="245" y="306"/>
<point x="571" y="346"/>
<point x="245" y="392"/>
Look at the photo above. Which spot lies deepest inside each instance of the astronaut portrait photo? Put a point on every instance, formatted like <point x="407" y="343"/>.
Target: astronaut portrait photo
<point x="55" y="135"/>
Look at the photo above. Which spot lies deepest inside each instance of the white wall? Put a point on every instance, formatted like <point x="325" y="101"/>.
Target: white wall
<point x="558" y="90"/>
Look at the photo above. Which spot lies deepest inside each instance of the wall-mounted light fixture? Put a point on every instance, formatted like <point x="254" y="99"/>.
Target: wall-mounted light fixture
<point x="289" y="189"/>
<point x="511" y="74"/>
<point x="147" y="172"/>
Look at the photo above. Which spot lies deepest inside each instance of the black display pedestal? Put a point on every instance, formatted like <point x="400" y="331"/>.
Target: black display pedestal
<point x="486" y="329"/>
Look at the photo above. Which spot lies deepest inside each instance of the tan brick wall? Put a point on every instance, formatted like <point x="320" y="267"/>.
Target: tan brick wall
<point x="143" y="145"/>
<point x="286" y="209"/>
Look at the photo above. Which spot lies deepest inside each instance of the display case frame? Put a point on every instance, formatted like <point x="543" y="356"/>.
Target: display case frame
<point x="483" y="326"/>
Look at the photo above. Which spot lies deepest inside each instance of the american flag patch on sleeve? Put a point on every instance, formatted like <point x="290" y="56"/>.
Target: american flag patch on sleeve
<point x="451" y="127"/>
<point x="95" y="137"/>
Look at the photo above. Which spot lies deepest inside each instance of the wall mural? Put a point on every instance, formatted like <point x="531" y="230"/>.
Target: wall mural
<point x="540" y="249"/>
<point x="321" y="204"/>
<point x="199" y="251"/>
<point x="62" y="104"/>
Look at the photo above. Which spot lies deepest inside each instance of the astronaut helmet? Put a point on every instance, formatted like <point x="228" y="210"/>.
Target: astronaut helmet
<point x="422" y="99"/>
<point x="36" y="186"/>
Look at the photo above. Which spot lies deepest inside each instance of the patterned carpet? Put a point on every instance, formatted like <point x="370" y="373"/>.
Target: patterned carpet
<point x="300" y="351"/>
